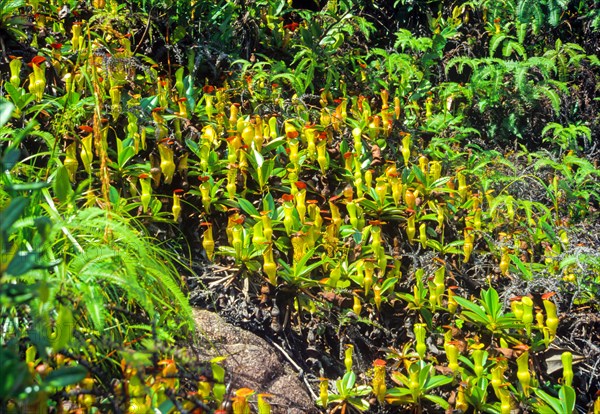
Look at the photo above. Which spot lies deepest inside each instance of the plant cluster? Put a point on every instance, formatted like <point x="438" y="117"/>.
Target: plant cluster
<point x="433" y="189"/>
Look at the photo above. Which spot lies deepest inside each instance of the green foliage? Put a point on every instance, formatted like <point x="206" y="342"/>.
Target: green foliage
<point x="566" y="137"/>
<point x="11" y="22"/>
<point x="539" y="13"/>
<point x="349" y="394"/>
<point x="565" y="403"/>
<point x="72" y="278"/>
<point x="418" y="385"/>
<point x="489" y="314"/>
<point x="359" y="176"/>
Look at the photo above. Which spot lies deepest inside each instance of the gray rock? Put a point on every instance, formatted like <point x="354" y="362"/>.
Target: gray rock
<point x="251" y="362"/>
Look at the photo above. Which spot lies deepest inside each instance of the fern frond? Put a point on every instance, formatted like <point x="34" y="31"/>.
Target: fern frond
<point x="582" y="163"/>
<point x="559" y="86"/>
<point x="538" y="17"/>
<point x="524" y="10"/>
<point x="460" y="62"/>
<point x="555" y="10"/>
<point x="513" y="47"/>
<point x="520" y="77"/>
<point x="552" y="96"/>
<point x="133" y="272"/>
<point x="547" y="162"/>
<point x="544" y="64"/>
<point x="496" y="41"/>
<point x="46" y="136"/>
<point x="403" y="38"/>
<point x="521" y="32"/>
<point x="594" y="60"/>
<point x="94" y="304"/>
<point x="366" y="27"/>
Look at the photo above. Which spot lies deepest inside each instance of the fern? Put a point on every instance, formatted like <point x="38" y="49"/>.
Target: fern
<point x="496" y="41"/>
<point x="521" y="32"/>
<point x="540" y="12"/>
<point x="555" y="9"/>
<point x="528" y="9"/>
<point x="545" y="65"/>
<point x="514" y="47"/>
<point x="559" y="86"/>
<point x="594" y="17"/>
<point x="367" y="28"/>
<point x="511" y="45"/>
<point x="460" y="62"/>
<point x="520" y="77"/>
<point x="94" y="304"/>
<point x="405" y="39"/>
<point x="133" y="272"/>
<point x="585" y="166"/>
<point x="552" y="96"/>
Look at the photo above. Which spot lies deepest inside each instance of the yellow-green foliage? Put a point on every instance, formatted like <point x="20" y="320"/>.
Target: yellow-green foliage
<point x="316" y="164"/>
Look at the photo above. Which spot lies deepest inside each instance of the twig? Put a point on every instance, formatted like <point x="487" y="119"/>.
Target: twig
<point x="296" y="367"/>
<point x="3" y="46"/>
<point x="143" y="34"/>
<point x="222" y="280"/>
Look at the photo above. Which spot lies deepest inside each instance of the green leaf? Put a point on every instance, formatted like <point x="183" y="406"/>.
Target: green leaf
<point x="14" y="374"/>
<point x="259" y="158"/>
<point x="419" y="174"/>
<point x="266" y="170"/>
<point x="193" y="146"/>
<point x="306" y="270"/>
<point x="513" y="46"/>
<point x="347" y="382"/>
<point x="248" y="208"/>
<point x="495" y="42"/>
<point x="435" y="245"/>
<point x="43" y="226"/>
<point x="474" y="317"/>
<point x="61" y="185"/>
<point x="552" y="96"/>
<point x="277" y="143"/>
<point x="6" y="109"/>
<point x="398" y="392"/>
<point x="554" y="403"/>
<point x="149" y="103"/>
<point x="491" y="302"/>
<point x="568" y="261"/>
<point x="269" y="205"/>
<point x="18" y="95"/>
<point x="388" y="284"/>
<point x="359" y="403"/>
<point x="440" y="182"/>
<point x="29" y="186"/>
<point x="10" y="214"/>
<point x="125" y="154"/>
<point x="17" y="293"/>
<point x="438" y="400"/>
<point x="567" y="398"/>
<point x="166" y="407"/>
<point x="438" y="381"/>
<point x="22" y="262"/>
<point x="64" y="376"/>
<point x="474" y="309"/>
<point x="10" y="158"/>
<point x="113" y="196"/>
<point x="94" y="304"/>
<point x="525" y="271"/>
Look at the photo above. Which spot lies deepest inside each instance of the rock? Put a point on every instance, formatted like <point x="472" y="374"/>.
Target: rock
<point x="251" y="362"/>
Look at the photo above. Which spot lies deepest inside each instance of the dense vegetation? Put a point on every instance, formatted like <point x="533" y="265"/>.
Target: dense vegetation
<point x="403" y="193"/>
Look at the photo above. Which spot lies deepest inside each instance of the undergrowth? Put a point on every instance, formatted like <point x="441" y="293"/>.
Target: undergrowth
<point x="408" y="190"/>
